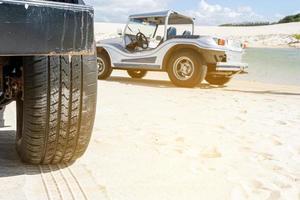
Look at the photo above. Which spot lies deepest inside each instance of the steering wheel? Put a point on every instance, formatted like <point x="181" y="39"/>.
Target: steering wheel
<point x="142" y="40"/>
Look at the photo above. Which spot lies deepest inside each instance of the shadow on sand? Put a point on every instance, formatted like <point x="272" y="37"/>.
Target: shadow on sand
<point x="264" y="92"/>
<point x="10" y="163"/>
<point x="154" y="83"/>
<point x="168" y="84"/>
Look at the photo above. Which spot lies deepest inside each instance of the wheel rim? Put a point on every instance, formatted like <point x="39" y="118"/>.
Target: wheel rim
<point x="101" y="66"/>
<point x="183" y="68"/>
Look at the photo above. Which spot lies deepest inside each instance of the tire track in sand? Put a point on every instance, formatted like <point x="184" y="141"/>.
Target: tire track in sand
<point x="63" y="182"/>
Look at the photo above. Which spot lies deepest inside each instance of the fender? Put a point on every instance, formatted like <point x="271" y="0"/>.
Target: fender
<point x="119" y="56"/>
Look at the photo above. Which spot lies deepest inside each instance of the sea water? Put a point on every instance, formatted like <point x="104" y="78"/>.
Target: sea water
<point x="278" y="66"/>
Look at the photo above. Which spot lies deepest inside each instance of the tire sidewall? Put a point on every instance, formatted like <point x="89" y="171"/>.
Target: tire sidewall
<point x="19" y="131"/>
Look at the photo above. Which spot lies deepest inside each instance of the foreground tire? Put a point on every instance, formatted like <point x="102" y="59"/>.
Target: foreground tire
<point x="104" y="66"/>
<point x="186" y="69"/>
<point x="56" y="112"/>
<point x="217" y="80"/>
<point x="138" y="74"/>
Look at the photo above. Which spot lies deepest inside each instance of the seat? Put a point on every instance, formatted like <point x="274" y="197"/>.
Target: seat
<point x="171" y="32"/>
<point x="187" y="33"/>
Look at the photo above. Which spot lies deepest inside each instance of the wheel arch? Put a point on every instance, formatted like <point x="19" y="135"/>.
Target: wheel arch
<point x="181" y="47"/>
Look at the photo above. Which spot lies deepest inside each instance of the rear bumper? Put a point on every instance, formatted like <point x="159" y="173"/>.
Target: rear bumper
<point x="35" y="27"/>
<point x="231" y="67"/>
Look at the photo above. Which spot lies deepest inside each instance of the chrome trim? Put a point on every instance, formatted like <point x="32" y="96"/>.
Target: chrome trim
<point x="148" y="60"/>
<point x="231" y="66"/>
<point x="134" y="65"/>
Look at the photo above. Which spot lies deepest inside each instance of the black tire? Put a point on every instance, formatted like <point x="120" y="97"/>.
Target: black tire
<point x="55" y="114"/>
<point x="217" y="80"/>
<point x="138" y="74"/>
<point x="104" y="66"/>
<point x="195" y="77"/>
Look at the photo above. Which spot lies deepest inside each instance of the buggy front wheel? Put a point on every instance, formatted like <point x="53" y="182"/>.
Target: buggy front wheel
<point x="186" y="69"/>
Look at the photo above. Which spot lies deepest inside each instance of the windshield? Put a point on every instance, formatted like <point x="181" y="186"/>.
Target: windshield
<point x="139" y="25"/>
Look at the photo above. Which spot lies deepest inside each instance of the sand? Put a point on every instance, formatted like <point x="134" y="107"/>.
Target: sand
<point x="154" y="141"/>
<point x="272" y="36"/>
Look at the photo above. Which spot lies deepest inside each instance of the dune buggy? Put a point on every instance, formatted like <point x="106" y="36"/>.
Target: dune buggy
<point x="165" y="41"/>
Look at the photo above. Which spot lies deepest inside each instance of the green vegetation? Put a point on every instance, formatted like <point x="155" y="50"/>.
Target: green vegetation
<point x="287" y="19"/>
<point x="291" y="18"/>
<point x="248" y="24"/>
<point x="297" y="36"/>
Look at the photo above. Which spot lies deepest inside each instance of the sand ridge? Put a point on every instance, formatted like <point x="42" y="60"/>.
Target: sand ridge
<point x="272" y="36"/>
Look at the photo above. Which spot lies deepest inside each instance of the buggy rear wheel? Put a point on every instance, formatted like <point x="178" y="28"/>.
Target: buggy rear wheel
<point x="138" y="74"/>
<point x="104" y="66"/>
<point x="217" y="80"/>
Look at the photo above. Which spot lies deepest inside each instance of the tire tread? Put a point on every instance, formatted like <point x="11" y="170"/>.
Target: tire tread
<point x="59" y="92"/>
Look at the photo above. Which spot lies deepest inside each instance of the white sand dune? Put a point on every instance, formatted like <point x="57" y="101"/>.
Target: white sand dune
<point x="279" y="35"/>
<point x="154" y="141"/>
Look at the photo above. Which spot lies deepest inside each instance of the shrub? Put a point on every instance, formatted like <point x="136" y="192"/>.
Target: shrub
<point x="291" y="18"/>
<point x="297" y="36"/>
<point x="248" y="24"/>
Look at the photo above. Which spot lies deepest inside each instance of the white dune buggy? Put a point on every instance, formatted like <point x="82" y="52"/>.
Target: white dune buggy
<point x="165" y="41"/>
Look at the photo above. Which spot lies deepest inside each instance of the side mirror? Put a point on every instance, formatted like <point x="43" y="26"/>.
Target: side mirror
<point x="119" y="32"/>
<point x="158" y="38"/>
